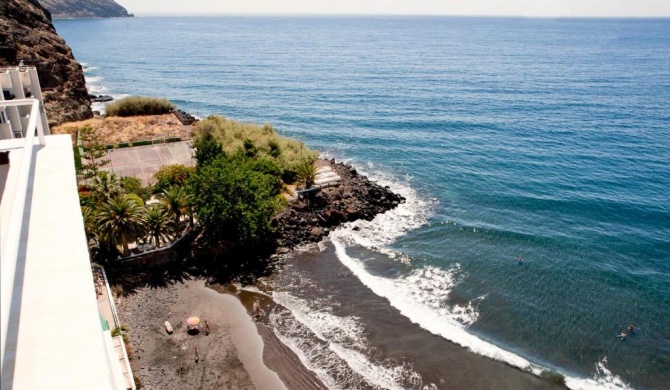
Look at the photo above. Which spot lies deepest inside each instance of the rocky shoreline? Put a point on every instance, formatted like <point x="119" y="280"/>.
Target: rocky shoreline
<point x="311" y="219"/>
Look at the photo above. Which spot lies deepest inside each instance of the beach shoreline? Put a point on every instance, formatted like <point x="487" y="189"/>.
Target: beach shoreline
<point x="231" y="356"/>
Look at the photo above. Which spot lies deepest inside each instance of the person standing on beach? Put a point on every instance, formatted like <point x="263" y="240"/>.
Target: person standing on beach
<point x="196" y="355"/>
<point x="257" y="310"/>
<point x="207" y="328"/>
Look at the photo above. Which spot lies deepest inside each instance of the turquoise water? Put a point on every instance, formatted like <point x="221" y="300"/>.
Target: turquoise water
<point x="545" y="139"/>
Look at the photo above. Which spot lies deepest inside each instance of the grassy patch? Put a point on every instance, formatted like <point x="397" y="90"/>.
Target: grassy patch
<point x="139" y="105"/>
<point x="256" y="141"/>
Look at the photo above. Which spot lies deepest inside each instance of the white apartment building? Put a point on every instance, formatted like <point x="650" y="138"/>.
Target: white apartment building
<point x="19" y="82"/>
<point x="52" y="336"/>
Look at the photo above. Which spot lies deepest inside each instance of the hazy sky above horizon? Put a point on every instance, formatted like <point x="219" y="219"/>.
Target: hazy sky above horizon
<point x="546" y="8"/>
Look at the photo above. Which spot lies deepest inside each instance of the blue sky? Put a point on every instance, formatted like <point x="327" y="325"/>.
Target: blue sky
<point x="544" y="8"/>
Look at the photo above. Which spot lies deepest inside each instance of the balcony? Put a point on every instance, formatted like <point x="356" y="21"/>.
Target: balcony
<point x="51" y="332"/>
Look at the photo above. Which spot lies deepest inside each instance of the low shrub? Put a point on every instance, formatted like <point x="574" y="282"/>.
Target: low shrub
<point x="172" y="175"/>
<point x="139" y="105"/>
<point x="255" y="141"/>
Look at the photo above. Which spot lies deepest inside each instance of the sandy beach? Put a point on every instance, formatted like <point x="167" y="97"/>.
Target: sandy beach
<point x="235" y="355"/>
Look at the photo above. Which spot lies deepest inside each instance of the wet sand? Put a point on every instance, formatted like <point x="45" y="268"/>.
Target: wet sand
<point x="230" y="357"/>
<point x="243" y="352"/>
<point x="321" y="277"/>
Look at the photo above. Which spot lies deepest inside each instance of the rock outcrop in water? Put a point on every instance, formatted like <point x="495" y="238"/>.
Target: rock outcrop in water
<point x="26" y="33"/>
<point x="356" y="197"/>
<point x="85" y="9"/>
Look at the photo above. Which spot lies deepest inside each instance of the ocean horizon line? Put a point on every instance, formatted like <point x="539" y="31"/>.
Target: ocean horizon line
<point x="389" y="15"/>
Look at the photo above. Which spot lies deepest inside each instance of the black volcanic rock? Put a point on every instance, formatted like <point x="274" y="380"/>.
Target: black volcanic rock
<point x="26" y="33"/>
<point x="85" y="9"/>
<point x="354" y="198"/>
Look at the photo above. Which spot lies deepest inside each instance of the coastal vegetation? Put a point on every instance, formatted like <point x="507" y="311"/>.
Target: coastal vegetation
<point x="235" y="198"/>
<point x="138" y="106"/>
<point x="228" y="199"/>
<point x="256" y="141"/>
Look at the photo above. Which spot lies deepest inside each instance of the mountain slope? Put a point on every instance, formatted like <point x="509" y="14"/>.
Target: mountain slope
<point x="84" y="8"/>
<point x="26" y="33"/>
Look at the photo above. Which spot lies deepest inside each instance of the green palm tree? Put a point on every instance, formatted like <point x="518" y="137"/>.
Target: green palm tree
<point x="306" y="171"/>
<point x="175" y="201"/>
<point x="90" y="225"/>
<point x="105" y="186"/>
<point x="121" y="220"/>
<point x="159" y="224"/>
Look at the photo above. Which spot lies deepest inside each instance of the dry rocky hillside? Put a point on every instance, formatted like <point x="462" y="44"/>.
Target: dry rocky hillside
<point x="85" y="9"/>
<point x="26" y="33"/>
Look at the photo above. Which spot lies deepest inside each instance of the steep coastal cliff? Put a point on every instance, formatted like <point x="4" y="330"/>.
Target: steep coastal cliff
<point x="26" y="33"/>
<point x="85" y="9"/>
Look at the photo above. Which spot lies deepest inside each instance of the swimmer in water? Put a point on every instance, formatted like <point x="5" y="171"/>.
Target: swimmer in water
<point x="623" y="336"/>
<point x="519" y="260"/>
<point x="631" y="328"/>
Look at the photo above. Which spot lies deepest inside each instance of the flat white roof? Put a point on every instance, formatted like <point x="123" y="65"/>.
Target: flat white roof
<point x="55" y="339"/>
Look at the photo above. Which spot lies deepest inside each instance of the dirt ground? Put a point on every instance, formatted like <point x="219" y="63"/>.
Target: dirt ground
<point x="115" y="130"/>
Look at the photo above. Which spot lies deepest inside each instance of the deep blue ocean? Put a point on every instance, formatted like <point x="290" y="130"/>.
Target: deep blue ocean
<point x="545" y="139"/>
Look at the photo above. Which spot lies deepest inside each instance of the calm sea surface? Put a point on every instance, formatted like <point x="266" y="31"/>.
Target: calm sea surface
<point x="547" y="140"/>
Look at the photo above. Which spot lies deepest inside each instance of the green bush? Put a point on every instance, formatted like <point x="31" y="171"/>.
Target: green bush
<point x="234" y="199"/>
<point x="133" y="185"/>
<point x="262" y="142"/>
<point x="172" y="175"/>
<point x="139" y="105"/>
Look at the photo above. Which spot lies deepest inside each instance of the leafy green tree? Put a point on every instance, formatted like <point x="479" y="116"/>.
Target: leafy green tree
<point x="94" y="152"/>
<point x="121" y="220"/>
<point x="133" y="185"/>
<point x="158" y="224"/>
<point x="172" y="175"/>
<point x="206" y="150"/>
<point x="235" y="203"/>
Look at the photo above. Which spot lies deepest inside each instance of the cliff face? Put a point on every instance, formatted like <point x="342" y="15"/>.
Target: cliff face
<point x="85" y="8"/>
<point x="26" y="33"/>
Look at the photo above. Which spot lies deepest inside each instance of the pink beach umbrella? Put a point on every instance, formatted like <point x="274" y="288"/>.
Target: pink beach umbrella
<point x="193" y="321"/>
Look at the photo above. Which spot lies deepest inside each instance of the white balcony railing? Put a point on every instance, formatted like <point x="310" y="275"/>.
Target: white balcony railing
<point x="12" y="236"/>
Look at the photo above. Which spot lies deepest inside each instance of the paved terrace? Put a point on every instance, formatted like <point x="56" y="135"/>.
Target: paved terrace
<point x="144" y="161"/>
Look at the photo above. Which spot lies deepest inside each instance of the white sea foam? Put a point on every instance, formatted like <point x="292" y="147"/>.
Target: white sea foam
<point x="95" y="86"/>
<point x="385" y="228"/>
<point x="338" y="355"/>
<point x="421" y="298"/>
<point x="602" y="378"/>
<point x="92" y="79"/>
<point x="422" y="295"/>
